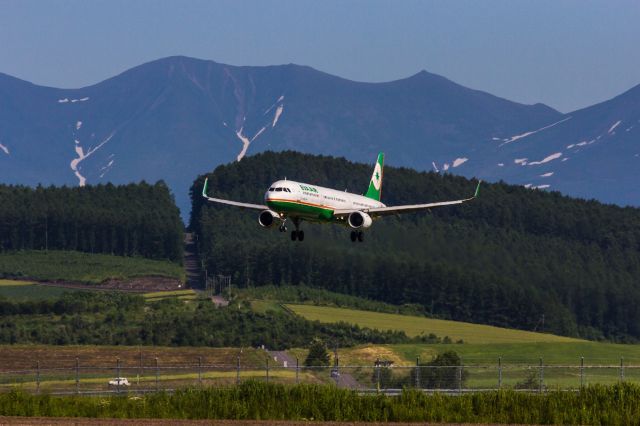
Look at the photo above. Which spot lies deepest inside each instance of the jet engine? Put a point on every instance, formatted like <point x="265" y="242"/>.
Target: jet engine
<point x="267" y="218"/>
<point x="359" y="220"/>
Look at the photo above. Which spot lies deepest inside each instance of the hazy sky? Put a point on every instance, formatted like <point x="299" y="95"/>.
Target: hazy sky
<point x="567" y="54"/>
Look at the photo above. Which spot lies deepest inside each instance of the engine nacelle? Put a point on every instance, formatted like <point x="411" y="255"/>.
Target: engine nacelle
<point x="267" y="218"/>
<point x="359" y="220"/>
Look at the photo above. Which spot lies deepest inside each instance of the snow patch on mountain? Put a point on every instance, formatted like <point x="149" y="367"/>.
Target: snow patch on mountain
<point x="546" y="159"/>
<point x="542" y="186"/>
<point x="459" y="161"/>
<point x="521" y="161"/>
<point x="78" y="125"/>
<point x="4" y="148"/>
<point x="500" y="164"/>
<point x="433" y="163"/>
<point x="445" y="167"/>
<point x="278" y="114"/>
<point x="106" y="168"/>
<point x="75" y="163"/>
<point x="547" y="174"/>
<point x="524" y="135"/>
<point x="245" y="143"/>
<point x="613" y="127"/>
<point x="63" y="101"/>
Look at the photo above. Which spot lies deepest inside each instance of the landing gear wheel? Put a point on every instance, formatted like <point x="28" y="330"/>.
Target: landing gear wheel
<point x="360" y="236"/>
<point x="294" y="235"/>
<point x="300" y="235"/>
<point x="282" y="228"/>
<point x="354" y="236"/>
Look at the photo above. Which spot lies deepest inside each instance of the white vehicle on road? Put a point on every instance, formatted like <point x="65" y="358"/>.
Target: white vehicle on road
<point x="119" y="381"/>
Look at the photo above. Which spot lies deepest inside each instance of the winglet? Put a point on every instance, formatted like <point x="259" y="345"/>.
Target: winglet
<point x="204" y="188"/>
<point x="477" y="190"/>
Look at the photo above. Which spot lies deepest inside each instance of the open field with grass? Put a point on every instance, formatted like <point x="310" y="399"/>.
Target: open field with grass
<point x="27" y="291"/>
<point x="415" y="326"/>
<point x="155" y="296"/>
<point x="82" y="267"/>
<point x="611" y="405"/>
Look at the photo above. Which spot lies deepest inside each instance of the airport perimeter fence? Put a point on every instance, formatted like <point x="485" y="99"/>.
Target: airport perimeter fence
<point x="154" y="376"/>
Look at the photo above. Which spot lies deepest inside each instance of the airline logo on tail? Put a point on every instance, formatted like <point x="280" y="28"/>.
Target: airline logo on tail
<point x="375" y="186"/>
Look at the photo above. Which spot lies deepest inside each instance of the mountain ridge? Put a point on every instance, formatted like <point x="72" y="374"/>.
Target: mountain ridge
<point x="177" y="116"/>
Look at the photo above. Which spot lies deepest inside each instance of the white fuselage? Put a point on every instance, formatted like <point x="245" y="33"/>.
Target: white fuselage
<point x="296" y="198"/>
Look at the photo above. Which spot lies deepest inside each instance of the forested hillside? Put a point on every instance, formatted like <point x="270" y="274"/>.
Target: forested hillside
<point x="514" y="257"/>
<point x="135" y="219"/>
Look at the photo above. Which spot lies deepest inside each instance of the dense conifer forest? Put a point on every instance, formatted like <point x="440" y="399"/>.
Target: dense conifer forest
<point x="130" y="220"/>
<point x="514" y="257"/>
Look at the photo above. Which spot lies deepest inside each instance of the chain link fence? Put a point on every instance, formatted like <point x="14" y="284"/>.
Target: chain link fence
<point x="153" y="375"/>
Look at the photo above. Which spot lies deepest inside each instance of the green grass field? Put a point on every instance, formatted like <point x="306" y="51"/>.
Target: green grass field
<point x="415" y="326"/>
<point x="82" y="267"/>
<point x="25" y="291"/>
<point x="179" y="294"/>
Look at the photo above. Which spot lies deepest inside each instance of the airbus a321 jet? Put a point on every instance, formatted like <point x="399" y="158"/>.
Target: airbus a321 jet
<point x="302" y="202"/>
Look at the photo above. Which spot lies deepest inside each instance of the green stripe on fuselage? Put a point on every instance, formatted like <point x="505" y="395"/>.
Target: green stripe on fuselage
<point x="289" y="207"/>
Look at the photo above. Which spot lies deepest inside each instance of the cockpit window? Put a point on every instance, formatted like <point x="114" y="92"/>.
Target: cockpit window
<point x="278" y="189"/>
<point x="287" y="189"/>
<point x="271" y="189"/>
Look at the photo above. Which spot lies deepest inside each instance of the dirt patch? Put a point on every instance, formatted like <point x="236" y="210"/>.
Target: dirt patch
<point x="25" y="357"/>
<point x="54" y="421"/>
<point x="134" y="285"/>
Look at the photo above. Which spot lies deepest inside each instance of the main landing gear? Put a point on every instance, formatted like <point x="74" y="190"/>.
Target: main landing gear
<point x="296" y="234"/>
<point x="357" y="236"/>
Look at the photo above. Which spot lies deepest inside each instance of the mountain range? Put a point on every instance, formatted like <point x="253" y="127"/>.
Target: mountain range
<point x="176" y="117"/>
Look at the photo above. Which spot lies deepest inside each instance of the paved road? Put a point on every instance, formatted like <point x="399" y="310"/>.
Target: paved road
<point x="192" y="262"/>
<point x="283" y="359"/>
<point x="345" y="380"/>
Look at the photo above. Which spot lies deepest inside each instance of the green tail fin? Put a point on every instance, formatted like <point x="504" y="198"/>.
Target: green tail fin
<point x="375" y="186"/>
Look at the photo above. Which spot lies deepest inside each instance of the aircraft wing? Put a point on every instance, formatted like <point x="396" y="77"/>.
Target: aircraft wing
<point x="409" y="208"/>
<point x="229" y="202"/>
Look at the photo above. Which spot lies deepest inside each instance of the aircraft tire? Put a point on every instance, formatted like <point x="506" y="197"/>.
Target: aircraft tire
<point x="300" y="235"/>
<point x="360" y="236"/>
<point x="294" y="235"/>
<point x="354" y="236"/>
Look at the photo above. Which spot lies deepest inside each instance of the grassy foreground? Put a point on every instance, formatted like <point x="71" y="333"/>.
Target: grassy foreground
<point x="415" y="326"/>
<point x="612" y="405"/>
<point x="88" y="268"/>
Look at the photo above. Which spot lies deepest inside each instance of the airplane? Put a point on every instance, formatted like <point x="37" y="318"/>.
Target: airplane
<point x="287" y="199"/>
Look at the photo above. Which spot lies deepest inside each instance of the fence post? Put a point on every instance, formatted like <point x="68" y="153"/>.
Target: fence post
<point x="238" y="370"/>
<point x="581" y="371"/>
<point x="417" y="372"/>
<point x="200" y="370"/>
<point x="499" y="372"/>
<point x="157" y="376"/>
<point x="117" y="375"/>
<point x="140" y="367"/>
<point x="460" y="379"/>
<point x="541" y="376"/>
<point x="297" y="371"/>
<point x="267" y="369"/>
<point x="622" y="369"/>
<point x="378" y="377"/>
<point x="38" y="376"/>
<point x="77" y="375"/>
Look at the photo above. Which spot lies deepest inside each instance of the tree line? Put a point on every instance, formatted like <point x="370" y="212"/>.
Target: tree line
<point x="514" y="257"/>
<point x="129" y="220"/>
